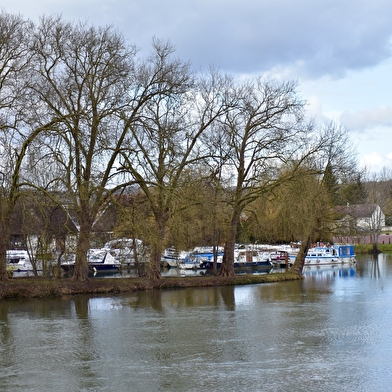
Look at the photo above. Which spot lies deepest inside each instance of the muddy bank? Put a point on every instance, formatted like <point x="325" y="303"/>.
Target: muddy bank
<point x="41" y="287"/>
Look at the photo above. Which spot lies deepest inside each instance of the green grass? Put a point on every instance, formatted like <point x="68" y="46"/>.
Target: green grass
<point x="368" y="248"/>
<point x="385" y="247"/>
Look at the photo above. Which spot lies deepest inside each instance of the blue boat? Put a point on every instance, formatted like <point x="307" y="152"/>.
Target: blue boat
<point x="328" y="255"/>
<point x="201" y="258"/>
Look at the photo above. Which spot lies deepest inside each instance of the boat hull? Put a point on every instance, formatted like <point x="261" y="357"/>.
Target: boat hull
<point x="21" y="268"/>
<point x="94" y="267"/>
<point x="103" y="267"/>
<point x="253" y="264"/>
<point x="323" y="260"/>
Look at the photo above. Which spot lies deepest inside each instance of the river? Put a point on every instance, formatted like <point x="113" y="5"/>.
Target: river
<point x="328" y="332"/>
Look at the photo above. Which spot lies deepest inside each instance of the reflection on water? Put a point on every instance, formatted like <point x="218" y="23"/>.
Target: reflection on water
<point x="329" y="271"/>
<point x="327" y="332"/>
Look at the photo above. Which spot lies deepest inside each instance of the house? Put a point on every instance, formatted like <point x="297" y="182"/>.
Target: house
<point x="50" y="227"/>
<point x="360" y="217"/>
<point x="41" y="228"/>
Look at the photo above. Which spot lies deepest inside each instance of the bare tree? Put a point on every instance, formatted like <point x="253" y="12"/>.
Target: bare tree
<point x="261" y="133"/>
<point x="15" y="135"/>
<point x="166" y="138"/>
<point x="83" y="78"/>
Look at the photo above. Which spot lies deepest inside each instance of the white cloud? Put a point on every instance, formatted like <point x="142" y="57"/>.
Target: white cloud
<point x="339" y="51"/>
<point x="367" y="119"/>
<point x="314" y="109"/>
<point x="314" y="38"/>
<point x="375" y="162"/>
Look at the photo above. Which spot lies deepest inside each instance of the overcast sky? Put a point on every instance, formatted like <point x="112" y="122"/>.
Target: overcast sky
<point x="339" y="51"/>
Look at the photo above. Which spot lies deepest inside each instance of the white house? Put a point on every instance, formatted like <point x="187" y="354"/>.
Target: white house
<point x="364" y="217"/>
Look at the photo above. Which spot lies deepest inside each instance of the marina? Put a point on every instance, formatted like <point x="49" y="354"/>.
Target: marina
<point x="246" y="258"/>
<point x="118" y="257"/>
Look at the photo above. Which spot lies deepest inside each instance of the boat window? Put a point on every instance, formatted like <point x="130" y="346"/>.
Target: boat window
<point x="13" y="261"/>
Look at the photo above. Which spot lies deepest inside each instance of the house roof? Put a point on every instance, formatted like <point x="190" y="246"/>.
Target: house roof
<point x="357" y="210"/>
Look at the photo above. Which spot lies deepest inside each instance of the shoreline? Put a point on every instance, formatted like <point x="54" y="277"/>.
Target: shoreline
<point x="45" y="287"/>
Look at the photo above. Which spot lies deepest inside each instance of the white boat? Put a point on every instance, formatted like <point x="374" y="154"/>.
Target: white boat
<point x="173" y="258"/>
<point x="334" y="254"/>
<point x="123" y="250"/>
<point x="251" y="257"/>
<point x="201" y="258"/>
<point x="98" y="260"/>
<point x="19" y="261"/>
<point x="102" y="260"/>
<point x="278" y="255"/>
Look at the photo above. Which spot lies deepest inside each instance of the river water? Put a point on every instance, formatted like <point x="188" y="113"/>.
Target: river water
<point x="329" y="332"/>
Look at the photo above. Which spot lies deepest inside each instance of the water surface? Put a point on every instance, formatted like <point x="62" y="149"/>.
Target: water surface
<point x="328" y="332"/>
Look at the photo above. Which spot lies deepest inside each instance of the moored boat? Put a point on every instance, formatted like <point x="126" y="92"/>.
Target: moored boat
<point x="102" y="260"/>
<point x="125" y="250"/>
<point x="280" y="258"/>
<point x="173" y="258"/>
<point x="98" y="260"/>
<point x="19" y="261"/>
<point x="202" y="258"/>
<point x="333" y="254"/>
<point x="245" y="257"/>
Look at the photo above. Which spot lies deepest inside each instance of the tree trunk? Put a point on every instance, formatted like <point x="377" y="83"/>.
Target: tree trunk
<point x="4" y="242"/>
<point x="374" y="240"/>
<point x="3" y="261"/>
<point x="58" y="273"/>
<point x="227" y="268"/>
<point x="140" y="265"/>
<point x="215" y="264"/>
<point x="80" y="273"/>
<point x="154" y="270"/>
<point x="300" y="259"/>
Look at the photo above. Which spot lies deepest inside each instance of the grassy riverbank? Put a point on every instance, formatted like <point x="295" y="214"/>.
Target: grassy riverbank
<point x="41" y="287"/>
<point x="368" y="248"/>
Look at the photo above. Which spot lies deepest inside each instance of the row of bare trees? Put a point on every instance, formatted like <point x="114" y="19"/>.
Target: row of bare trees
<point x="82" y="114"/>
